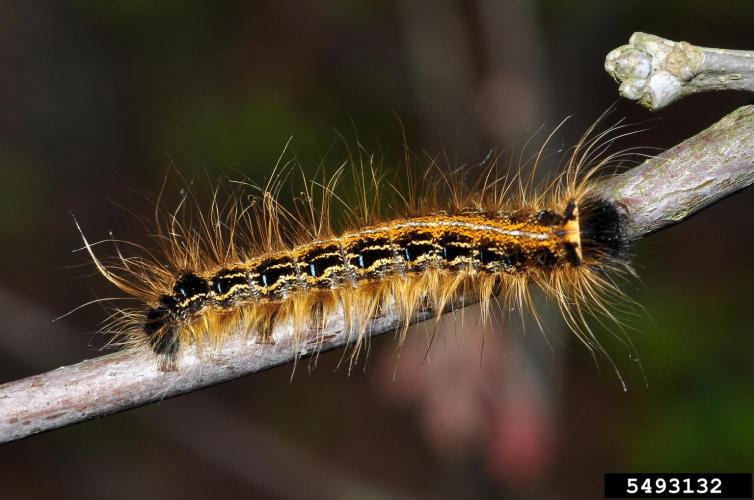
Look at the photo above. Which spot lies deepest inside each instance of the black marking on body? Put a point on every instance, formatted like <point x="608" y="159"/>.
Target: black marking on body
<point x="506" y="258"/>
<point x="419" y="250"/>
<point x="457" y="251"/>
<point x="230" y="285"/>
<point x="190" y="293"/>
<point x="325" y="264"/>
<point x="371" y="257"/>
<point x="276" y="277"/>
<point x="189" y="285"/>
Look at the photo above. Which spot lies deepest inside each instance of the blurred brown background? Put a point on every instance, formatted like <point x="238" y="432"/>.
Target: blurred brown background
<point x="98" y="98"/>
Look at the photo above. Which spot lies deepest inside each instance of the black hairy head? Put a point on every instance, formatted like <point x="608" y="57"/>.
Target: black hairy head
<point x="603" y="225"/>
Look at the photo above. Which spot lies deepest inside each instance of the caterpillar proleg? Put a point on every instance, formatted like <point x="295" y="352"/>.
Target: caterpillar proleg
<point x="248" y="263"/>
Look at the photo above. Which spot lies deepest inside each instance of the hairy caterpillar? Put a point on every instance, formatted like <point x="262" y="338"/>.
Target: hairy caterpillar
<point x="247" y="263"/>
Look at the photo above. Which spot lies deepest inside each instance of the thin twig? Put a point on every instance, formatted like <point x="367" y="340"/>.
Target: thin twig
<point x="670" y="187"/>
<point x="657" y="72"/>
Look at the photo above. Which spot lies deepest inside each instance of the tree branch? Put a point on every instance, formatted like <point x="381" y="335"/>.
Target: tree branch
<point x="664" y="190"/>
<point x="658" y="72"/>
<point x="672" y="186"/>
<point x="131" y="378"/>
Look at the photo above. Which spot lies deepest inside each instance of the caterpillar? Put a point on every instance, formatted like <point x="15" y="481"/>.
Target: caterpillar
<point x="248" y="263"/>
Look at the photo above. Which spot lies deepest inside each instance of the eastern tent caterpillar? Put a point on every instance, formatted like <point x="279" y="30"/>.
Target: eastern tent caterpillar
<point x="247" y="263"/>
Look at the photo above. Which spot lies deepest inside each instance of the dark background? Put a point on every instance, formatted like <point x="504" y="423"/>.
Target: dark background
<point x="98" y="98"/>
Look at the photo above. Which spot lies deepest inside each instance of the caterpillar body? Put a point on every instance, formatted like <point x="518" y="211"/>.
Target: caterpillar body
<point x="215" y="279"/>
